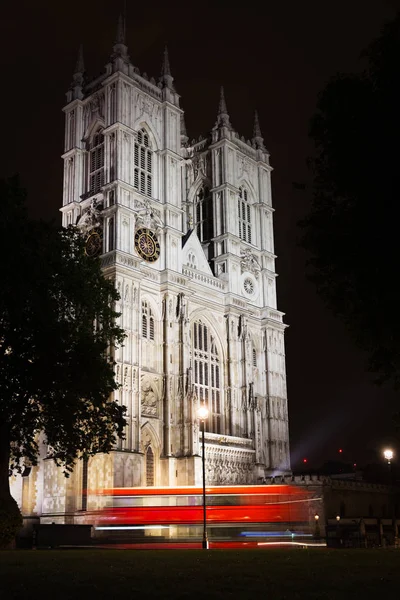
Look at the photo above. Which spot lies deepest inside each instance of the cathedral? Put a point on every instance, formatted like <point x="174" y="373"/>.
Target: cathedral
<point x="185" y="229"/>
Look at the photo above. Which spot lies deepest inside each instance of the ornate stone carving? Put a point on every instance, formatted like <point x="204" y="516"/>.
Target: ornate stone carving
<point x="97" y="106"/>
<point x="147" y="107"/>
<point x="147" y="216"/>
<point x="243" y="331"/>
<point x="126" y="378"/>
<point x="249" y="263"/>
<point x="181" y="307"/>
<point x="228" y="465"/>
<point x="199" y="165"/>
<point x="91" y="217"/>
<point x="149" y="396"/>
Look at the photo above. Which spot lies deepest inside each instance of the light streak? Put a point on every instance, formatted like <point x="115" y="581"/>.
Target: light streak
<point x="115" y="528"/>
<point x="319" y="544"/>
<point x="274" y="534"/>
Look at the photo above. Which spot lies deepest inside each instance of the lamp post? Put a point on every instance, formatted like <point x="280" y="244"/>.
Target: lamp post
<point x="388" y="454"/>
<point x="317" y="530"/>
<point x="203" y="415"/>
<point x="338" y="536"/>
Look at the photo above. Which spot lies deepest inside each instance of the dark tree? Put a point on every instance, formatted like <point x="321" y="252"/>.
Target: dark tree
<point x="352" y="232"/>
<point x="57" y="337"/>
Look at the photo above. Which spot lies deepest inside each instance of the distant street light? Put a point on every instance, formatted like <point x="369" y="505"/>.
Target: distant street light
<point x="338" y="518"/>
<point x="202" y="413"/>
<point x="317" y="533"/>
<point x="388" y="454"/>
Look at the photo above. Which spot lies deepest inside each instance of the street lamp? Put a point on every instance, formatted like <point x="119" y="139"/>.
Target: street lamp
<point x="388" y="454"/>
<point x="202" y="413"/>
<point x="317" y="530"/>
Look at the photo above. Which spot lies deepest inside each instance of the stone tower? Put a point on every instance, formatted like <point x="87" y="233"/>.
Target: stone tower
<point x="185" y="229"/>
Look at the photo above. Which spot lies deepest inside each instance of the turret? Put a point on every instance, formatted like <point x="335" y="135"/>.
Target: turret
<point x="166" y="78"/>
<point x="75" y="92"/>
<point x="257" y="139"/>
<point x="120" y="56"/>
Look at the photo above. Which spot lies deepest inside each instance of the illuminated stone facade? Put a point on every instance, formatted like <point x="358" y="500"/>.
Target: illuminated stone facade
<point x="185" y="228"/>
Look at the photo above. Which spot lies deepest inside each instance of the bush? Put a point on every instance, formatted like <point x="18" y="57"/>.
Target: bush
<point x="10" y="521"/>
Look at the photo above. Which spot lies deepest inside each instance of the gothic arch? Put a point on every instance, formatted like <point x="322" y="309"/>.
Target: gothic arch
<point x="93" y="127"/>
<point x="208" y="368"/>
<point x="154" y="138"/>
<point x="150" y="439"/>
<point x="199" y="314"/>
<point x="244" y="182"/>
<point x="256" y="339"/>
<point x="195" y="187"/>
<point x="153" y="305"/>
<point x="149" y="433"/>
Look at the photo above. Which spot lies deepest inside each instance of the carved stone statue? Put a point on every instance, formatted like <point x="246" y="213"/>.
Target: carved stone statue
<point x="91" y="217"/>
<point x="249" y="263"/>
<point x="148" y="398"/>
<point x="147" y="217"/>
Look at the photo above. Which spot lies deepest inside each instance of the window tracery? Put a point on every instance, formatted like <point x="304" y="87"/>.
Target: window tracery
<point x="203" y="214"/>
<point x="143" y="161"/>
<point x="96" y="162"/>
<point x="207" y="374"/>
<point x="244" y="215"/>
<point x="147" y="321"/>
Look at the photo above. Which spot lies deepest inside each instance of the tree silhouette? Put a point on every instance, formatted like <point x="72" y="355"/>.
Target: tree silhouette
<point x="57" y="336"/>
<point x="352" y="230"/>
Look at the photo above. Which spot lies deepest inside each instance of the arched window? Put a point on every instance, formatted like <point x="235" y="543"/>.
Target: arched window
<point x="111" y="230"/>
<point x="203" y="214"/>
<point x="244" y="216"/>
<point x="147" y="321"/>
<point x="207" y="374"/>
<point x="143" y="159"/>
<point x="149" y="466"/>
<point x="254" y="357"/>
<point x="191" y="260"/>
<point x="96" y="163"/>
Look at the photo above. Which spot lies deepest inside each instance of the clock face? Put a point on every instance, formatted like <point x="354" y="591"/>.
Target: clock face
<point x="147" y="244"/>
<point x="93" y="244"/>
<point x="248" y="285"/>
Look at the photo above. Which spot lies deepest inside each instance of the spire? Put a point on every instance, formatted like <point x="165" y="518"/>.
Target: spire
<point x="120" y="49"/>
<point x="222" y="110"/>
<point x="166" y="69"/>
<point x="258" y="140"/>
<point x="120" y="37"/>
<point x="78" y="79"/>
<point x="184" y="136"/>
<point x="166" y="78"/>
<point x="223" y="116"/>
<point x="256" y="128"/>
<point x="80" y="66"/>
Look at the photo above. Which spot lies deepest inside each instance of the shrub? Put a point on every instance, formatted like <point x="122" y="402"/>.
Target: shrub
<point x="10" y="521"/>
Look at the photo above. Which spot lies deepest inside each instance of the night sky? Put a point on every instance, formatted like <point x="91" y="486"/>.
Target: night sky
<point x="275" y="59"/>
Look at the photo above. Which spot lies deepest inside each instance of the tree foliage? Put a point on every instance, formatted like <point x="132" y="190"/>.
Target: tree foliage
<point x="57" y="335"/>
<point x="352" y="230"/>
<point x="10" y="521"/>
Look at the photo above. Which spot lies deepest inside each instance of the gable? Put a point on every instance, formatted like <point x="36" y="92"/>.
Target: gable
<point x="193" y="254"/>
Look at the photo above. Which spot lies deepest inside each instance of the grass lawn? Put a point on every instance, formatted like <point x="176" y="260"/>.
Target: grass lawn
<point x="138" y="574"/>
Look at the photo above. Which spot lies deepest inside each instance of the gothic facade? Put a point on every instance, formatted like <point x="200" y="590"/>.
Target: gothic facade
<point x="185" y="229"/>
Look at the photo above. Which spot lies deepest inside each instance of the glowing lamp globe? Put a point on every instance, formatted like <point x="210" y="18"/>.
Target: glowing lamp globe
<point x="202" y="413"/>
<point x="388" y="454"/>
